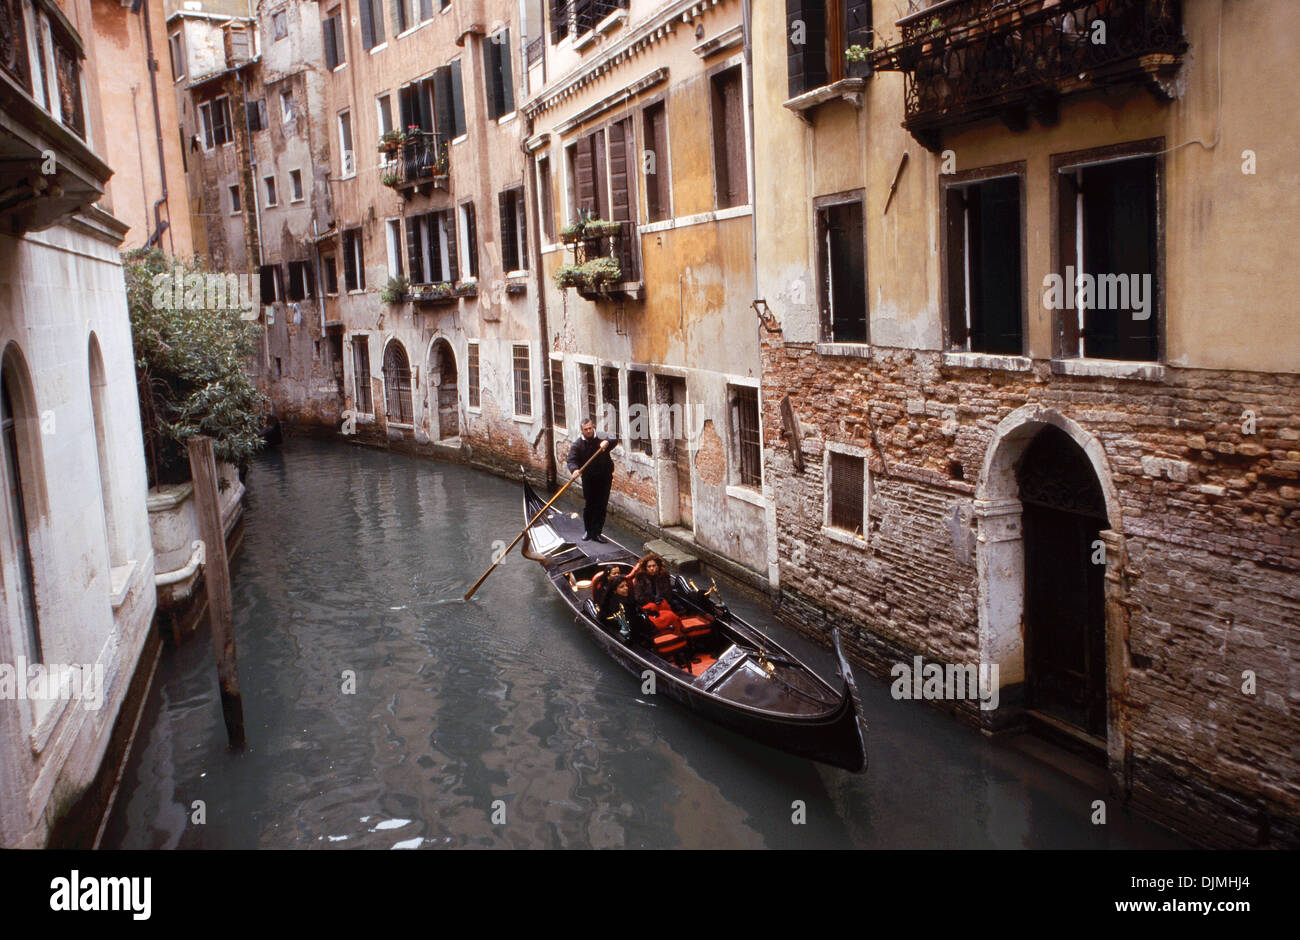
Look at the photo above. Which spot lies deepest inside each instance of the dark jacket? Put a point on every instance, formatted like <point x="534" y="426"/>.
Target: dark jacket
<point x="650" y="590"/>
<point x="582" y="450"/>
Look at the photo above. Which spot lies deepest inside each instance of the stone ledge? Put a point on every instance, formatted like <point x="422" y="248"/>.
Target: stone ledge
<point x="1110" y="369"/>
<point x="853" y="350"/>
<point x="975" y="360"/>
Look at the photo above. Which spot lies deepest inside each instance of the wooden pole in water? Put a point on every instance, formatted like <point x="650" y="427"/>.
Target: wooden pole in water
<point x="216" y="573"/>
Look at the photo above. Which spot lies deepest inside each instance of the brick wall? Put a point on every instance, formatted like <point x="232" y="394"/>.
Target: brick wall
<point x="1210" y="516"/>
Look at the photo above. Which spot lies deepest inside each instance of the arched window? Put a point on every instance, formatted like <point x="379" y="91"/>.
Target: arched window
<point x="99" y="413"/>
<point x="397" y="383"/>
<point x="17" y="417"/>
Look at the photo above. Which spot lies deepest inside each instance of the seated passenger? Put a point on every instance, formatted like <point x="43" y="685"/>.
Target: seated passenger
<point x="653" y="590"/>
<point x="620" y="611"/>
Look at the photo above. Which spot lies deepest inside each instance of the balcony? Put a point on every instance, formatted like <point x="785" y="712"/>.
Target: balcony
<point x="47" y="171"/>
<point x="605" y="263"/>
<point x="968" y="60"/>
<point x="578" y="18"/>
<point x="420" y="163"/>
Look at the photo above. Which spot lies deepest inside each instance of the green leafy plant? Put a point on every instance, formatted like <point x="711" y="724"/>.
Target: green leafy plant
<point x="600" y="228"/>
<point x="572" y="232"/>
<point x="599" y="271"/>
<point x="391" y="140"/>
<point x="394" y="292"/>
<point x="391" y="179"/>
<point x="193" y="354"/>
<point x="568" y="275"/>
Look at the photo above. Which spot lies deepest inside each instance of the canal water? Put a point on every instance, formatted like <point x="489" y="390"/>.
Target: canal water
<point x="497" y="723"/>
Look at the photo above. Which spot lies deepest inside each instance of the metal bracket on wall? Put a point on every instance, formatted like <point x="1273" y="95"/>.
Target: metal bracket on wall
<point x="765" y="316"/>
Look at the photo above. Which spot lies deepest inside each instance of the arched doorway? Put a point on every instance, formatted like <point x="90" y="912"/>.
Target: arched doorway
<point x="1064" y="513"/>
<point x="397" y="383"/>
<point x="444" y="392"/>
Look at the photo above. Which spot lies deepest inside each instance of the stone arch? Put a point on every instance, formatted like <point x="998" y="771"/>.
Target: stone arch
<point x="397" y="383"/>
<point x="1000" y="564"/>
<point x="101" y="427"/>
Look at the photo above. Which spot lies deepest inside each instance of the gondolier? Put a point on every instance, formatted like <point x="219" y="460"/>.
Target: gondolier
<point x="596" y="478"/>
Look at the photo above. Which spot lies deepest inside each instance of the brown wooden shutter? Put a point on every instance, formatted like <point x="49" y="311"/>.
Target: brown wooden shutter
<point x="442" y="102"/>
<point x="449" y="232"/>
<point x="509" y="239"/>
<point x="584" y="168"/>
<point x="954" y="264"/>
<point x="471" y="236"/>
<point x="622" y="158"/>
<point x="600" y="175"/>
<point x="657" y="201"/>
<point x="414" y="256"/>
<point x="806" y="61"/>
<point x="367" y="26"/>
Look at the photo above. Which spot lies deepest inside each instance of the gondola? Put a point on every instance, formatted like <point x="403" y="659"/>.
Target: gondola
<point x="734" y="675"/>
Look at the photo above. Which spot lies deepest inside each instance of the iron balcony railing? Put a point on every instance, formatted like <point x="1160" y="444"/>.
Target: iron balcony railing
<point x="424" y="157"/>
<point x="965" y="60"/>
<point x="579" y="17"/>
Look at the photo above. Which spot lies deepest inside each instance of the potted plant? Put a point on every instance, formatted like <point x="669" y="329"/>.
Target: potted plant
<point x="389" y="141"/>
<point x="572" y="232"/>
<point x="467" y="289"/>
<point x="600" y="228"/>
<point x="441" y="291"/>
<point x="568" y="275"/>
<point x="600" y="271"/>
<point x="394" y="291"/>
<point x="936" y="38"/>
<point x="391" y="180"/>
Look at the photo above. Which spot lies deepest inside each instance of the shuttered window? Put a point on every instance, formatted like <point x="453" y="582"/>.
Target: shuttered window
<point x="622" y="189"/>
<point x="730" y="166"/>
<point x="609" y="403"/>
<point x="469" y="239"/>
<point x="498" y="83"/>
<point x="372" y="22"/>
<point x="472" y="378"/>
<point x="354" y="271"/>
<point x="546" y="205"/>
<point x="655" y="163"/>
<point x="844" y="492"/>
<point x="817" y="33"/>
<point x="449" y="101"/>
<point x="982" y="266"/>
<point x="745" y="436"/>
<point x="842" y="272"/>
<point x="588" y="375"/>
<point x="587" y="171"/>
<point x="272" y="287"/>
<point x="332" y="26"/>
<point x="514" y="247"/>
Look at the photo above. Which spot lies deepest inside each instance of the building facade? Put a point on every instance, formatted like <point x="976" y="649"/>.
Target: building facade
<point x="637" y="116"/>
<point x="1009" y="418"/>
<point x="76" y="561"/>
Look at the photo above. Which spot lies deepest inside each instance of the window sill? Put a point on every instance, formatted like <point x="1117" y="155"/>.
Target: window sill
<point x="746" y="494"/>
<point x="48" y="719"/>
<point x="505" y="119"/>
<point x="474" y="409"/>
<point x="120" y="579"/>
<point x="364" y="418"/>
<point x="611" y="22"/>
<point x="379" y="48"/>
<point x="849" y="350"/>
<point x="460" y="140"/>
<point x="849" y="89"/>
<point x="1110" y="369"/>
<point x="523" y="419"/>
<point x="974" y="360"/>
<point x="844" y="537"/>
<point x="400" y="426"/>
<point x="339" y="67"/>
<point x="584" y="42"/>
<point x="717" y="215"/>
<point x="356" y="291"/>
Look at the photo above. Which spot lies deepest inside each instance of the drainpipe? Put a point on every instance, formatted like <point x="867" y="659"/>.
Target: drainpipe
<point x="159" y="225"/>
<point x="535" y="239"/>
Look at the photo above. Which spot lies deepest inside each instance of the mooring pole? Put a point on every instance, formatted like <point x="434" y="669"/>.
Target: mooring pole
<point x="216" y="573"/>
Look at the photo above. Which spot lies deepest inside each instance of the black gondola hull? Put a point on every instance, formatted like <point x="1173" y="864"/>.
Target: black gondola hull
<point x="829" y="730"/>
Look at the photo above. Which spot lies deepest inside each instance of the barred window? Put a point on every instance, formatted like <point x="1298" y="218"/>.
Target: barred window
<point x="397" y="384"/>
<point x="588" y="373"/>
<point x="523" y="383"/>
<point x="844" y="492"/>
<point x="748" y="456"/>
<point x="558" y="416"/>
<point x="361" y="374"/>
<point x="638" y="411"/>
<point x="473" y="376"/>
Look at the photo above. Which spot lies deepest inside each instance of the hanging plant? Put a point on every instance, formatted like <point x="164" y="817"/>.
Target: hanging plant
<point x="394" y="291"/>
<point x="391" y="180"/>
<point x="568" y="275"/>
<point x="599" y="271"/>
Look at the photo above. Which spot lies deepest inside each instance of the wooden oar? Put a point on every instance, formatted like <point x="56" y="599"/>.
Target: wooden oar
<point x="479" y="582"/>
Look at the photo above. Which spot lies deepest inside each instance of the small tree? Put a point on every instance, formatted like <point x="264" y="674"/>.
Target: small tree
<point x="192" y="347"/>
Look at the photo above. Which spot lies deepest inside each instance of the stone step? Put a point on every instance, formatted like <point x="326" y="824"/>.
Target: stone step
<point x="678" y="559"/>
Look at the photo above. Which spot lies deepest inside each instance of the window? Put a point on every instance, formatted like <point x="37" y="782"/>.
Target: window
<point x="394" y="247"/>
<point x="579" y="17"/>
<point x="497" y="80"/>
<point x="431" y="248"/>
<point x="330" y="271"/>
<point x="279" y="25"/>
<point x="335" y="48"/>
<point x="845" y="485"/>
<point x="397" y="383"/>
<point x="654" y="161"/>
<point x="609" y="403"/>
<point x="401" y="15"/>
<point x="449" y="101"/>
<point x="269" y="183"/>
<point x="372" y="22"/>
<point x="638" y="410"/>
<point x="514" y="237"/>
<point x="747" y="468"/>
<point x="983" y="285"/>
<point x="472" y="377"/>
<point x="588" y="375"/>
<point x="215" y="117"/>
<point x="348" y="158"/>
<point x="295" y="184"/>
<point x="235" y="207"/>
<point x="272" y="285"/>
<point x="385" y="105"/>
<point x="354" y="269"/>
<point x="469" y="239"/>
<point x="523" y="383"/>
<point x="257" y="115"/>
<point x="287" y="109"/>
<point x="546" y="207"/>
<point x="602" y="185"/>
<point x="817" y="33"/>
<point x="842" y="272"/>
<point x="730" y="165"/>
<point x="302" y="282"/>
<point x="108" y="484"/>
<point x="19" y="477"/>
<point x="558" y="416"/>
<point x="177" y="45"/>
<point x="1108" y="247"/>
<point x="361" y="374"/>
